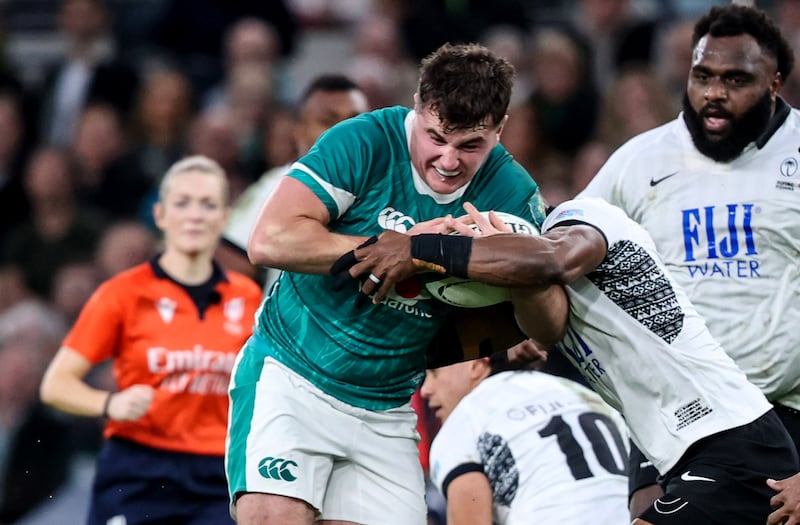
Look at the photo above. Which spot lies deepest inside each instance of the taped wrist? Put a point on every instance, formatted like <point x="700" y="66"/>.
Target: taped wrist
<point x="442" y="253"/>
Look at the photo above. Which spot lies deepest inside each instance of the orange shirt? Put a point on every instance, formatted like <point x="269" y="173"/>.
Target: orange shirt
<point x="155" y="334"/>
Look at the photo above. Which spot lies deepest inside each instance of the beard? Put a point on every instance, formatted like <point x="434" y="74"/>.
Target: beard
<point x="743" y="130"/>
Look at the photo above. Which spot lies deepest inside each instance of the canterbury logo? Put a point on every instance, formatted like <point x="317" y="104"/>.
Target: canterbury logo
<point x="277" y="468"/>
<point x="391" y="219"/>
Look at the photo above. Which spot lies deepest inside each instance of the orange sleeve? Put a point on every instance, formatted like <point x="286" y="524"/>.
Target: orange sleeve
<point x="97" y="332"/>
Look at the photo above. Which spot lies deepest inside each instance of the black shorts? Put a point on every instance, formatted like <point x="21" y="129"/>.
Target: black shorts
<point x="722" y="478"/>
<point x="791" y="420"/>
<point x="150" y="486"/>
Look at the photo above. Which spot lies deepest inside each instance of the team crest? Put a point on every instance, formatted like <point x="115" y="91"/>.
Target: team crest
<point x="166" y="309"/>
<point x="234" y="309"/>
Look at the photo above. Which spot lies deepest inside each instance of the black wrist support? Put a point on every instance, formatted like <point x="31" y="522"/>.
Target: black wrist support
<point x="445" y="253"/>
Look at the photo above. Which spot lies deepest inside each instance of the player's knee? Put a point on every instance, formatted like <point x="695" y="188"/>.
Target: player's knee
<point x="640" y="521"/>
<point x="267" y="509"/>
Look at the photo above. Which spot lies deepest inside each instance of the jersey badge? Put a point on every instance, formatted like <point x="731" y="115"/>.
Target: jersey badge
<point x="391" y="219"/>
<point x="166" y="309"/>
<point x="234" y="309"/>
<point x="788" y="171"/>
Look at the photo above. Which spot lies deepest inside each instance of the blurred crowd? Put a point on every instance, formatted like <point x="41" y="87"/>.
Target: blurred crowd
<point x="99" y="97"/>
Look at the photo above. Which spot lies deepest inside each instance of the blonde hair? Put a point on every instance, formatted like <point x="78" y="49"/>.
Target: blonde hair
<point x="199" y="163"/>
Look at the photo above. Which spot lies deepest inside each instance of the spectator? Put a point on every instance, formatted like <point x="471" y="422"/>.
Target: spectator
<point x="191" y="33"/>
<point x="13" y="200"/>
<point x="636" y="101"/>
<point x="59" y="231"/>
<point x="159" y="132"/>
<point x="37" y="450"/>
<point x="123" y="245"/>
<point x="88" y="73"/>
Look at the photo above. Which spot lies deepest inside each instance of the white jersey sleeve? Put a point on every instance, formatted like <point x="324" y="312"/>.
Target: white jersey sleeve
<point x="552" y="450"/>
<point x="639" y="342"/>
<point x="245" y="210"/>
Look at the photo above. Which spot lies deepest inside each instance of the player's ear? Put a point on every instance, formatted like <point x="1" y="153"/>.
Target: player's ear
<point x="158" y="215"/>
<point x="479" y="369"/>
<point x="501" y="127"/>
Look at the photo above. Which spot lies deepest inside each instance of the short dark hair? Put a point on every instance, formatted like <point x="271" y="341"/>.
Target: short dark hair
<point x="734" y="20"/>
<point x="465" y="85"/>
<point x="328" y="82"/>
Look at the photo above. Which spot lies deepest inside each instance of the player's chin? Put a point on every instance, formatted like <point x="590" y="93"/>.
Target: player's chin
<point x="446" y="185"/>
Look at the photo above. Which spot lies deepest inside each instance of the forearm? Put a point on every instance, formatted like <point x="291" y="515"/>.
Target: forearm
<point x="71" y="395"/>
<point x="541" y="312"/>
<point x="304" y="246"/>
<point x="515" y="261"/>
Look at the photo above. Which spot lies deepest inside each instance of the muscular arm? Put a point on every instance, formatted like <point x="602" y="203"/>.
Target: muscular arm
<point x="469" y="500"/>
<point x="557" y="257"/>
<point x="291" y="232"/>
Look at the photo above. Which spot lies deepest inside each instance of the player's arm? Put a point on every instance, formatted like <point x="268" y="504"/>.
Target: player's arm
<point x="469" y="500"/>
<point x="291" y="232"/>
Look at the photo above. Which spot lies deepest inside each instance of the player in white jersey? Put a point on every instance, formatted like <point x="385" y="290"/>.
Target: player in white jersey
<point x="321" y="425"/>
<point x="327" y="100"/>
<point x="636" y="339"/>
<point x="718" y="189"/>
<point x="520" y="447"/>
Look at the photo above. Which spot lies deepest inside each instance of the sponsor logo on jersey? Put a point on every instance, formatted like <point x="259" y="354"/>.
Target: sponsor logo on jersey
<point x="654" y="181"/>
<point x="166" y="309"/>
<point x="719" y="241"/>
<point x="576" y="349"/>
<point x="198" y="370"/>
<point x="391" y="219"/>
<point x="277" y="468"/>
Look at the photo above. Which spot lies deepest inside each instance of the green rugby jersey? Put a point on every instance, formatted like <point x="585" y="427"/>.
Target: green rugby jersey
<point x="373" y="357"/>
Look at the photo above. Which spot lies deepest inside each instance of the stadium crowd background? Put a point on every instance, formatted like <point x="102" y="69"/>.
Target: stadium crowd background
<point x="98" y="97"/>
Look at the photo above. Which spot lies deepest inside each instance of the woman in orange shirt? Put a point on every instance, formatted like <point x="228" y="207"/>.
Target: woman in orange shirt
<point x="172" y="327"/>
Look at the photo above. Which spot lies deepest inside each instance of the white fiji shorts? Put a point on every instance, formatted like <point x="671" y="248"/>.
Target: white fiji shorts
<point x="288" y="437"/>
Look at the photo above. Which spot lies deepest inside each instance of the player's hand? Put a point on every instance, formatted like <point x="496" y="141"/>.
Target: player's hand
<point x="383" y="264"/>
<point x="466" y="224"/>
<point x="438" y="225"/>
<point x="131" y="404"/>
<point x="786" y="502"/>
<point x="529" y="352"/>
<point x="341" y="268"/>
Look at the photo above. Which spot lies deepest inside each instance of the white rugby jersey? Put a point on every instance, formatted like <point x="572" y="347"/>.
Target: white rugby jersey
<point x="640" y="343"/>
<point x="552" y="450"/>
<point x="729" y="234"/>
<point x="245" y="210"/>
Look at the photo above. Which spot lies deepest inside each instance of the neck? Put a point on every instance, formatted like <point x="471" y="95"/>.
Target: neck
<point x="187" y="269"/>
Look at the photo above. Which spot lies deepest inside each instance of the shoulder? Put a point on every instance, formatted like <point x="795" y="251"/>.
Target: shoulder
<point x="240" y="283"/>
<point x="132" y="278"/>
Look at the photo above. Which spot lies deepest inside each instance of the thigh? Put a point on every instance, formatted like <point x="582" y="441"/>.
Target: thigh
<point x="723" y="478"/>
<point x="271" y="509"/>
<point x="381" y="481"/>
<point x="283" y="437"/>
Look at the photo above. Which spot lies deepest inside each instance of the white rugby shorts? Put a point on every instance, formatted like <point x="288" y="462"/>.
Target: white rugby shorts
<point x="287" y="437"/>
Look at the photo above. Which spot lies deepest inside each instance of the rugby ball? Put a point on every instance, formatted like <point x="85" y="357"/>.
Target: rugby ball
<point x="466" y="293"/>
